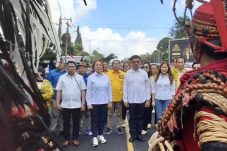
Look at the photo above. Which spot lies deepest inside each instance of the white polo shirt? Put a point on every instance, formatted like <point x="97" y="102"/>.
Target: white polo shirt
<point x="71" y="86"/>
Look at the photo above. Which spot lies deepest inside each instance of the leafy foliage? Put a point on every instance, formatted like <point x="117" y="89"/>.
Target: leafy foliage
<point x="163" y="47"/>
<point x="177" y="30"/>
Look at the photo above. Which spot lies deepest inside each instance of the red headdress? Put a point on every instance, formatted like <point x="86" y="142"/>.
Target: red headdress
<point x="210" y="22"/>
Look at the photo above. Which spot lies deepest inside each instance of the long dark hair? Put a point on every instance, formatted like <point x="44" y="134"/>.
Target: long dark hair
<point x="169" y="72"/>
<point x="149" y="72"/>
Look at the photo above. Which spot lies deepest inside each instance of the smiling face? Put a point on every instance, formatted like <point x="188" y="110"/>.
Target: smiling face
<point x="164" y="68"/>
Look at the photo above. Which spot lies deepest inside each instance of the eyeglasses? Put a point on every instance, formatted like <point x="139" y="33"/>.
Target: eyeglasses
<point x="146" y="67"/>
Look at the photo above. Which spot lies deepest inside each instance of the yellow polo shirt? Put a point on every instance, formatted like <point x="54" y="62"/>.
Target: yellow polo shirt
<point x="117" y="82"/>
<point x="177" y="75"/>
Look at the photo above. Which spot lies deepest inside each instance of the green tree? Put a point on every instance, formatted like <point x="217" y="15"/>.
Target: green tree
<point x="95" y="56"/>
<point x="163" y="46"/>
<point x="49" y="55"/>
<point x="146" y="57"/>
<point x="110" y="57"/>
<point x="178" y="30"/>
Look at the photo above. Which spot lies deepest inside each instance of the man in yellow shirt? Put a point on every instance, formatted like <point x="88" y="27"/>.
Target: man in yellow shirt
<point x="178" y="71"/>
<point x="117" y="80"/>
<point x="106" y="67"/>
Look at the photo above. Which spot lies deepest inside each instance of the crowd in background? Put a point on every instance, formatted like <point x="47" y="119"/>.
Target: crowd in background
<point x="90" y="98"/>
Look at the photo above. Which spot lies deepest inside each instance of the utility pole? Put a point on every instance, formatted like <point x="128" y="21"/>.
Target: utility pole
<point x="60" y="25"/>
<point x="59" y="28"/>
<point x="67" y="36"/>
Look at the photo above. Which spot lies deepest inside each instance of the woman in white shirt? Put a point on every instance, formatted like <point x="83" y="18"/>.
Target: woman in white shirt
<point x="99" y="99"/>
<point x="163" y="89"/>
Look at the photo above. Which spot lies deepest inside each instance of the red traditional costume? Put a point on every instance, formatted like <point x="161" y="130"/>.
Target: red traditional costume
<point x="196" y="119"/>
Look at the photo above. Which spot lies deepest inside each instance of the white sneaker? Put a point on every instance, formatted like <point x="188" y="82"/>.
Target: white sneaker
<point x="144" y="132"/>
<point x="149" y="125"/>
<point x="123" y="124"/>
<point x="95" y="142"/>
<point x="101" y="139"/>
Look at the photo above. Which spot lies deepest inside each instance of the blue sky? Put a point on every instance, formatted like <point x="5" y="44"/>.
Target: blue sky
<point x="124" y="16"/>
<point x="122" y="27"/>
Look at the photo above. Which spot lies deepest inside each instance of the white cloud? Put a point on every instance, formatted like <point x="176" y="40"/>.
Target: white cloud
<point x="74" y="9"/>
<point x="102" y="39"/>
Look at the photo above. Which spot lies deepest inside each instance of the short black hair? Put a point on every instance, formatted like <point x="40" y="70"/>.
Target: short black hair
<point x="180" y="58"/>
<point x="135" y="57"/>
<point x="194" y="63"/>
<point x="116" y="61"/>
<point x="153" y="64"/>
<point x="72" y="62"/>
<point x="104" y="60"/>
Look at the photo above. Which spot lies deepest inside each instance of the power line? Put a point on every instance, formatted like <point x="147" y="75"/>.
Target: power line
<point x="133" y="41"/>
<point x="127" y="27"/>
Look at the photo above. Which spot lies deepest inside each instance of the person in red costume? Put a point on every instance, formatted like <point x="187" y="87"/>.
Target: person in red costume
<point x="196" y="119"/>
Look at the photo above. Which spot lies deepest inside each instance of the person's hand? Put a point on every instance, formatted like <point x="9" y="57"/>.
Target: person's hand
<point x="126" y="104"/>
<point x="109" y="106"/>
<point x="153" y="103"/>
<point x="90" y="107"/>
<point x="147" y="104"/>
<point x="82" y="108"/>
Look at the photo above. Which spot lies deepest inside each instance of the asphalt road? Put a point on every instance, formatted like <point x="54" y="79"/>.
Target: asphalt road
<point x="115" y="142"/>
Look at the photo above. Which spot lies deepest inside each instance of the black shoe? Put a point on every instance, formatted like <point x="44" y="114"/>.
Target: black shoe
<point x="119" y="131"/>
<point x="132" y="139"/>
<point x="140" y="138"/>
<point x="108" y="131"/>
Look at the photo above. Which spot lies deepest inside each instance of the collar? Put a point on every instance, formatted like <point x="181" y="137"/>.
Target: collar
<point x="117" y="72"/>
<point x="67" y="74"/>
<point x="136" y="70"/>
<point x="96" y="74"/>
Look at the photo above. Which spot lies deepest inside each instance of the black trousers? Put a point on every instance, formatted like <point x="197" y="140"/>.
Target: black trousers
<point x="67" y="113"/>
<point x="98" y="119"/>
<point x="147" y="117"/>
<point x="136" y="112"/>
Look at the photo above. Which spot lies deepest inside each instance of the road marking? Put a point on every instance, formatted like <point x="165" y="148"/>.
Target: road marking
<point x="129" y="144"/>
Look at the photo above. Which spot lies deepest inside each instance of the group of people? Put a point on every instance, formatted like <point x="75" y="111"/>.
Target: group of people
<point x="196" y="118"/>
<point x="92" y="99"/>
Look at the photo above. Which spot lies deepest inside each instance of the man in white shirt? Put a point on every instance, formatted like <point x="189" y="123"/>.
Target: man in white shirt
<point x="136" y="96"/>
<point x="71" y="88"/>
